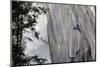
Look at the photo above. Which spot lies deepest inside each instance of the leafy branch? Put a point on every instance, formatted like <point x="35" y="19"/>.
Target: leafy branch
<point x="23" y="16"/>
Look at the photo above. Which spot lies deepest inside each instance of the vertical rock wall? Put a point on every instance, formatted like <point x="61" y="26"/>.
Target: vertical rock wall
<point x="65" y="41"/>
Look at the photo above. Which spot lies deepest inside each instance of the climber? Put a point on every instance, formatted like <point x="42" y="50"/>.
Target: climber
<point x="77" y="28"/>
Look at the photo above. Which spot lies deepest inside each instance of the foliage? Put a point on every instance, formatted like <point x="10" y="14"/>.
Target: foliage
<point x="23" y="16"/>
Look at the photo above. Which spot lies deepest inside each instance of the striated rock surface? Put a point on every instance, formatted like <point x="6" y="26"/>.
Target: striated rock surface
<point x="71" y="33"/>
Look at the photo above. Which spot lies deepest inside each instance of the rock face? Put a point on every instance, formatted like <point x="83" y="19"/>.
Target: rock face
<point x="67" y="34"/>
<point x="44" y="33"/>
<point x="71" y="33"/>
